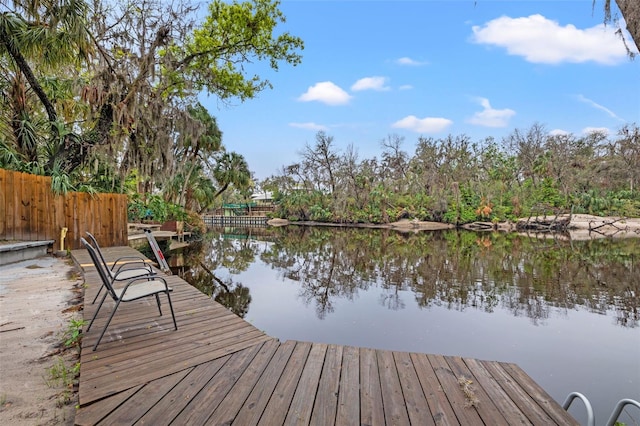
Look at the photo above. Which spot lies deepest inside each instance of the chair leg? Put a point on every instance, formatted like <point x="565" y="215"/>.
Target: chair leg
<point x="158" y="301"/>
<point x="115" y="308"/>
<point x="173" y="315"/>
<point x="97" y="310"/>
<point x="98" y="294"/>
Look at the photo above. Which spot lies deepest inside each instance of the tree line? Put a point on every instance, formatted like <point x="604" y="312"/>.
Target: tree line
<point x="103" y="95"/>
<point x="457" y="180"/>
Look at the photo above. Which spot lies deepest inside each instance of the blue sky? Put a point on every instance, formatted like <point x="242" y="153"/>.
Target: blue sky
<point x="372" y="69"/>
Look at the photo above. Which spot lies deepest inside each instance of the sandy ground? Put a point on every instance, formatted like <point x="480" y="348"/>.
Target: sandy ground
<point x="36" y="304"/>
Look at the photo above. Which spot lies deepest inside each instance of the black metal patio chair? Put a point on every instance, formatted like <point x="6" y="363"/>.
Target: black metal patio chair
<point x="135" y="289"/>
<point x="124" y="268"/>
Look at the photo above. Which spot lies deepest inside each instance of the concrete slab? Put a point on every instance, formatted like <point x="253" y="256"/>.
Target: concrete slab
<point x="25" y="250"/>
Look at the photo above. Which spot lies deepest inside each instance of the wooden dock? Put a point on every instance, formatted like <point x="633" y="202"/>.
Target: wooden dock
<point x="218" y="369"/>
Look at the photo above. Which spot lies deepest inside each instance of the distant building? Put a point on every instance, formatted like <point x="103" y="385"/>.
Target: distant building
<point x="263" y="197"/>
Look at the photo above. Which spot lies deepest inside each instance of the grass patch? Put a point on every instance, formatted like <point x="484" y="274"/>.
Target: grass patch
<point x="73" y="334"/>
<point x="64" y="372"/>
<point x="63" y="375"/>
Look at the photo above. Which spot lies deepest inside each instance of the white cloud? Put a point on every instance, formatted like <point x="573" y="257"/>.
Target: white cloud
<point x="309" y="126"/>
<point x="589" y="130"/>
<point x="423" y="125"/>
<point x="598" y="106"/>
<point x="559" y="132"/>
<point x="370" y="83"/>
<point x="405" y="60"/>
<point x="326" y="92"/>
<point x="490" y="117"/>
<point x="405" y="87"/>
<point x="541" y="40"/>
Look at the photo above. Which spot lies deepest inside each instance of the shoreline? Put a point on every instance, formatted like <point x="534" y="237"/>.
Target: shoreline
<point x="578" y="226"/>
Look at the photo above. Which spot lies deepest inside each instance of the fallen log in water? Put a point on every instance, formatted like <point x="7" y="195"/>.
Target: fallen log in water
<point x="594" y="226"/>
<point x="480" y="226"/>
<point x="555" y="223"/>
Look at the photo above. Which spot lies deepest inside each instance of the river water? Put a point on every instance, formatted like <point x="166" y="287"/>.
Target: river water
<point x="567" y="312"/>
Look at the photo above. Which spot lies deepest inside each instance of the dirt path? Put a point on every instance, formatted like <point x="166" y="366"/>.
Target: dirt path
<point x="36" y="306"/>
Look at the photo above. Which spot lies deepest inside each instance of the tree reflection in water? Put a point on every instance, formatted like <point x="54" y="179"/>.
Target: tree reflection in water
<point x="526" y="275"/>
<point x="202" y="258"/>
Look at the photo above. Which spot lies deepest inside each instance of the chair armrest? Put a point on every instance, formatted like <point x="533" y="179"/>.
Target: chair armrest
<point x="129" y="260"/>
<point x="124" y="274"/>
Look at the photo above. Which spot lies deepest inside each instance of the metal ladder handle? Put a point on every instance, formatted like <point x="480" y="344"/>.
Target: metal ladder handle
<point x="618" y="410"/>
<point x="591" y="420"/>
<point x="162" y="262"/>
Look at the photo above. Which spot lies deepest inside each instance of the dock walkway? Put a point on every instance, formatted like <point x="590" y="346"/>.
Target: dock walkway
<point x="218" y="369"/>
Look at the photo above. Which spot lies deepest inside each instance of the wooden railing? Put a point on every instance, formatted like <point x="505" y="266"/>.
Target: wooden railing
<point x="239" y="221"/>
<point x="30" y="211"/>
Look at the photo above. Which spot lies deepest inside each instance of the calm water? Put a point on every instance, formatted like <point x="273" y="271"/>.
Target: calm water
<point x="567" y="312"/>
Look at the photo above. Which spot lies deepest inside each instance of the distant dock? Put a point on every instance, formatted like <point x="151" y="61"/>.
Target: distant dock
<point x="237" y="221"/>
<point x="137" y="237"/>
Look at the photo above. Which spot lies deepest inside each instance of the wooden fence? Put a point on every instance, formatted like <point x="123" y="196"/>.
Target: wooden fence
<point x="29" y="211"/>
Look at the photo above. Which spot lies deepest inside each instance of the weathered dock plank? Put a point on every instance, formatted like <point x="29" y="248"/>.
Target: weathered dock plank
<point x="539" y="395"/>
<point x="439" y="405"/>
<point x="143" y="400"/>
<point x="495" y="393"/>
<point x="348" y="413"/>
<point x="210" y="396"/>
<point x="255" y="404"/>
<point x="371" y="410"/>
<point x="278" y="406"/>
<point x="228" y="409"/>
<point x="488" y="411"/>
<point x="169" y="405"/>
<point x="518" y="395"/>
<point x="326" y="404"/>
<point x="100" y="411"/>
<point x="461" y="405"/>
<point x="393" y="401"/>
<point x="217" y="369"/>
<point x="299" y="412"/>
<point x="415" y="400"/>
